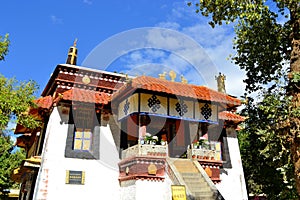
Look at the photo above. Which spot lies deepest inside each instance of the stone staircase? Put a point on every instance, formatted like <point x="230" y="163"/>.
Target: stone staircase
<point x="194" y="180"/>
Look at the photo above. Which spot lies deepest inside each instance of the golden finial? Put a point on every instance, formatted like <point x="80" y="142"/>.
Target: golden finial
<point x="172" y="75"/>
<point x="75" y="42"/>
<point x="163" y="76"/>
<point x="72" y="55"/>
<point x="183" y="80"/>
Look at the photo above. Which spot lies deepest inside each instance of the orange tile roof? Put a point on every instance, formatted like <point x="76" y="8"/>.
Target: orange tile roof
<point x="177" y="88"/>
<point x="88" y="96"/>
<point x="44" y="102"/>
<point x="230" y="116"/>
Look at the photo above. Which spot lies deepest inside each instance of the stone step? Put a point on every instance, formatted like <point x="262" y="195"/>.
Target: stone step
<point x="203" y="195"/>
<point x="197" y="185"/>
<point x="189" y="165"/>
<point x="187" y="170"/>
<point x="186" y="163"/>
<point x="194" y="179"/>
<point x="199" y="189"/>
<point x="191" y="174"/>
<point x="204" y="198"/>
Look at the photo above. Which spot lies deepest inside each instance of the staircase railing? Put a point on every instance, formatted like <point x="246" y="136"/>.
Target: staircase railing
<point x="175" y="177"/>
<point x="216" y="192"/>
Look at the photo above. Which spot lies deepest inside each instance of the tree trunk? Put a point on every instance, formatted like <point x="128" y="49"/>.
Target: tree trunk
<point x="293" y="90"/>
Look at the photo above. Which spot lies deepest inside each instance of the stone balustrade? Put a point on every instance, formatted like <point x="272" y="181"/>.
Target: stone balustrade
<point x="212" y="151"/>
<point x="145" y="150"/>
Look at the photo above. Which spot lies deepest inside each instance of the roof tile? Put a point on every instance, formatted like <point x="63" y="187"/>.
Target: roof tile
<point x="180" y="89"/>
<point x="44" y="102"/>
<point x="88" y="96"/>
<point x="230" y="116"/>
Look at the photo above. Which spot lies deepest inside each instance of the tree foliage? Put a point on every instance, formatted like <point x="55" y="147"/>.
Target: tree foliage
<point x="8" y="161"/>
<point x="267" y="45"/>
<point x="16" y="97"/>
<point x="265" y="152"/>
<point x="4" y="43"/>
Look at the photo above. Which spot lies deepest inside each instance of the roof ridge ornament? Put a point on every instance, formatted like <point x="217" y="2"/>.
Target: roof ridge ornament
<point x="221" y="82"/>
<point x="172" y="74"/>
<point x="183" y="80"/>
<point x="163" y="76"/>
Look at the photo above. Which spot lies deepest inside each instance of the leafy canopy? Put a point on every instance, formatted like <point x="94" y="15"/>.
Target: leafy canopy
<point x="16" y="97"/>
<point x="8" y="162"/>
<point x="15" y="100"/>
<point x="262" y="54"/>
<point x="4" y="43"/>
<point x="267" y="45"/>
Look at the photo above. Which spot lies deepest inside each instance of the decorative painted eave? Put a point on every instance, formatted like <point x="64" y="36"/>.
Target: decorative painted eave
<point x="149" y="168"/>
<point x="66" y="76"/>
<point x="177" y="89"/>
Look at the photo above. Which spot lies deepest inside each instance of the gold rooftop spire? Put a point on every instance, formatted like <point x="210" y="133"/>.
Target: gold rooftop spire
<point x="72" y="54"/>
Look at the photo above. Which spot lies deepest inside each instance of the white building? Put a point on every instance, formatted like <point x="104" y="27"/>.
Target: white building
<point x="98" y="134"/>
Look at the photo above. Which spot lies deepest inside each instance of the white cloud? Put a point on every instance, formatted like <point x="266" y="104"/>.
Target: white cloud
<point x="216" y="43"/>
<point x="56" y="20"/>
<point x="169" y="25"/>
<point x="88" y="2"/>
<point x="185" y="43"/>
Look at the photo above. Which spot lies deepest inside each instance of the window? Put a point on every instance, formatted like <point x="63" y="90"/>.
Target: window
<point x="83" y="133"/>
<point x="82" y="139"/>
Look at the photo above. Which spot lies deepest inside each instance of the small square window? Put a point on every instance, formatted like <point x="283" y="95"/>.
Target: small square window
<point x="82" y="139"/>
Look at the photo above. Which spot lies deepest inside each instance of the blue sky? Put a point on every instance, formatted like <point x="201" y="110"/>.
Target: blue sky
<point x="42" y="31"/>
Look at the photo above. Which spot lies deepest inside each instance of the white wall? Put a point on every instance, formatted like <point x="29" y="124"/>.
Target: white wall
<point x="147" y="189"/>
<point x="101" y="180"/>
<point x="233" y="186"/>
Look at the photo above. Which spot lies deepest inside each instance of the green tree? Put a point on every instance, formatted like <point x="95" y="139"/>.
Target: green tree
<point x="8" y="161"/>
<point x="267" y="47"/>
<point x="4" y="43"/>
<point x="16" y="97"/>
<point x="265" y="152"/>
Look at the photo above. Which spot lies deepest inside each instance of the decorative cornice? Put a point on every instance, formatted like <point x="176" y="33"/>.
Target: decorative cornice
<point x="141" y="168"/>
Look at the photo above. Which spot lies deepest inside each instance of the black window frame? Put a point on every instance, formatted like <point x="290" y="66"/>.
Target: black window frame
<point x="94" y="152"/>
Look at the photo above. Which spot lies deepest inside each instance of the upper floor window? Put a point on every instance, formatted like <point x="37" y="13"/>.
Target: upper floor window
<point x="83" y="135"/>
<point x="82" y="139"/>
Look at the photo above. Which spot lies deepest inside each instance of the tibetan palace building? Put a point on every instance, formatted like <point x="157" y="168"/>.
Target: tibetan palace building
<point x="107" y="135"/>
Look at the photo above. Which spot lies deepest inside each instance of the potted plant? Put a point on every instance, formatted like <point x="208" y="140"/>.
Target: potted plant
<point x="203" y="142"/>
<point x="154" y="139"/>
<point x="147" y="138"/>
<point x="196" y="145"/>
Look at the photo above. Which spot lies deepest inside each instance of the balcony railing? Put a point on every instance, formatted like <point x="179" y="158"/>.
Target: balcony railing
<point x="145" y="150"/>
<point x="209" y="151"/>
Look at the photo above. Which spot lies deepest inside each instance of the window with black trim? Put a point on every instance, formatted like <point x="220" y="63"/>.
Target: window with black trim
<point x="83" y="133"/>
